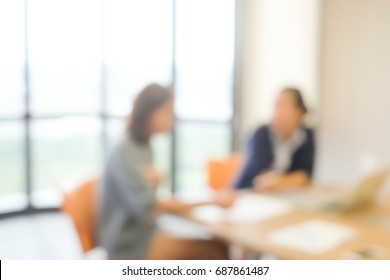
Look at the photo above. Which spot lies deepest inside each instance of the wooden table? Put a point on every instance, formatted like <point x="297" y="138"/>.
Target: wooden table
<point x="254" y="236"/>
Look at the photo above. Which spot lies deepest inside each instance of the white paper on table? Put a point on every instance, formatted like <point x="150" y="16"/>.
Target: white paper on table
<point x="247" y="209"/>
<point x="257" y="208"/>
<point x="313" y="237"/>
<point x="209" y="213"/>
<point x="181" y="227"/>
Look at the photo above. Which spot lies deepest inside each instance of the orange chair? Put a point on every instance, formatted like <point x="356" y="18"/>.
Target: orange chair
<point x="80" y="206"/>
<point x="222" y="173"/>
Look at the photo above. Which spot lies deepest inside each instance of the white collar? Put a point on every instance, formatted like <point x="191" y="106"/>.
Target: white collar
<point x="284" y="150"/>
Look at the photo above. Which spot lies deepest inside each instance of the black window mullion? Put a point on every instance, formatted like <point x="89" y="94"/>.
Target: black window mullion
<point x="27" y="115"/>
<point x="103" y="87"/>
<point x="7" y="119"/>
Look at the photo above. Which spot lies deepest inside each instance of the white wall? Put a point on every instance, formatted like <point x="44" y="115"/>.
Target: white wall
<point x="355" y="126"/>
<point x="281" y="49"/>
<point x="249" y="64"/>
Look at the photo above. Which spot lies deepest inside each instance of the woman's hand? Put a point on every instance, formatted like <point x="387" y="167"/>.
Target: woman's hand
<point x="154" y="177"/>
<point x="267" y="181"/>
<point x="270" y="181"/>
<point x="225" y="199"/>
<point x="172" y="205"/>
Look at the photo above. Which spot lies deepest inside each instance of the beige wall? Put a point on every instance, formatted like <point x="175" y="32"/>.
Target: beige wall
<point x="338" y="51"/>
<point x="354" y="134"/>
<point x="280" y="46"/>
<point x="249" y="64"/>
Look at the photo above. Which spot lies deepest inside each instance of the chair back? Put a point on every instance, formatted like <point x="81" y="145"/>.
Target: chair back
<point x="222" y="173"/>
<point x="81" y="206"/>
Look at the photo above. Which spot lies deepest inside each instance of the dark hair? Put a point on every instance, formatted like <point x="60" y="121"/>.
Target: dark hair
<point x="148" y="100"/>
<point x="298" y="98"/>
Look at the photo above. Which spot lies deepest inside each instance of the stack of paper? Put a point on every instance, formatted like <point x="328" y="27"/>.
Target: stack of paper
<point x="313" y="236"/>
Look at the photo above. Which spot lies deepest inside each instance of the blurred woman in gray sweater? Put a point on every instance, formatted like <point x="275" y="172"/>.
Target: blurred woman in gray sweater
<point x="127" y="203"/>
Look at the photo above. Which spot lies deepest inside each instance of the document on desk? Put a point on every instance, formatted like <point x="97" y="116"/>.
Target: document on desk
<point x="255" y="208"/>
<point x="251" y="208"/>
<point x="313" y="236"/>
<point x="209" y="213"/>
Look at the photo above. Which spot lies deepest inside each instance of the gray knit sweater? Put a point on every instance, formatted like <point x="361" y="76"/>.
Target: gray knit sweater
<point x="126" y="199"/>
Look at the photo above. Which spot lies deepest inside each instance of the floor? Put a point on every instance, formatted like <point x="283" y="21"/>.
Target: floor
<point x="52" y="236"/>
<point x="39" y="236"/>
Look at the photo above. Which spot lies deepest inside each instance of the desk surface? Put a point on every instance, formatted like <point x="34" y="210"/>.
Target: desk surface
<point x="254" y="236"/>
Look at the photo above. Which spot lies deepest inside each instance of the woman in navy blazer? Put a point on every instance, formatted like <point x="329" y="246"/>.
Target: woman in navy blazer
<point x="281" y="154"/>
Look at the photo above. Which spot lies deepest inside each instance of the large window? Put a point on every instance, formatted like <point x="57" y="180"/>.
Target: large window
<point x="12" y="106"/>
<point x="69" y="71"/>
<point x="12" y="58"/>
<point x="204" y="83"/>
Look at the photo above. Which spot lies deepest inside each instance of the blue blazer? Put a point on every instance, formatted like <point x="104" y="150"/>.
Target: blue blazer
<point x="261" y="156"/>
